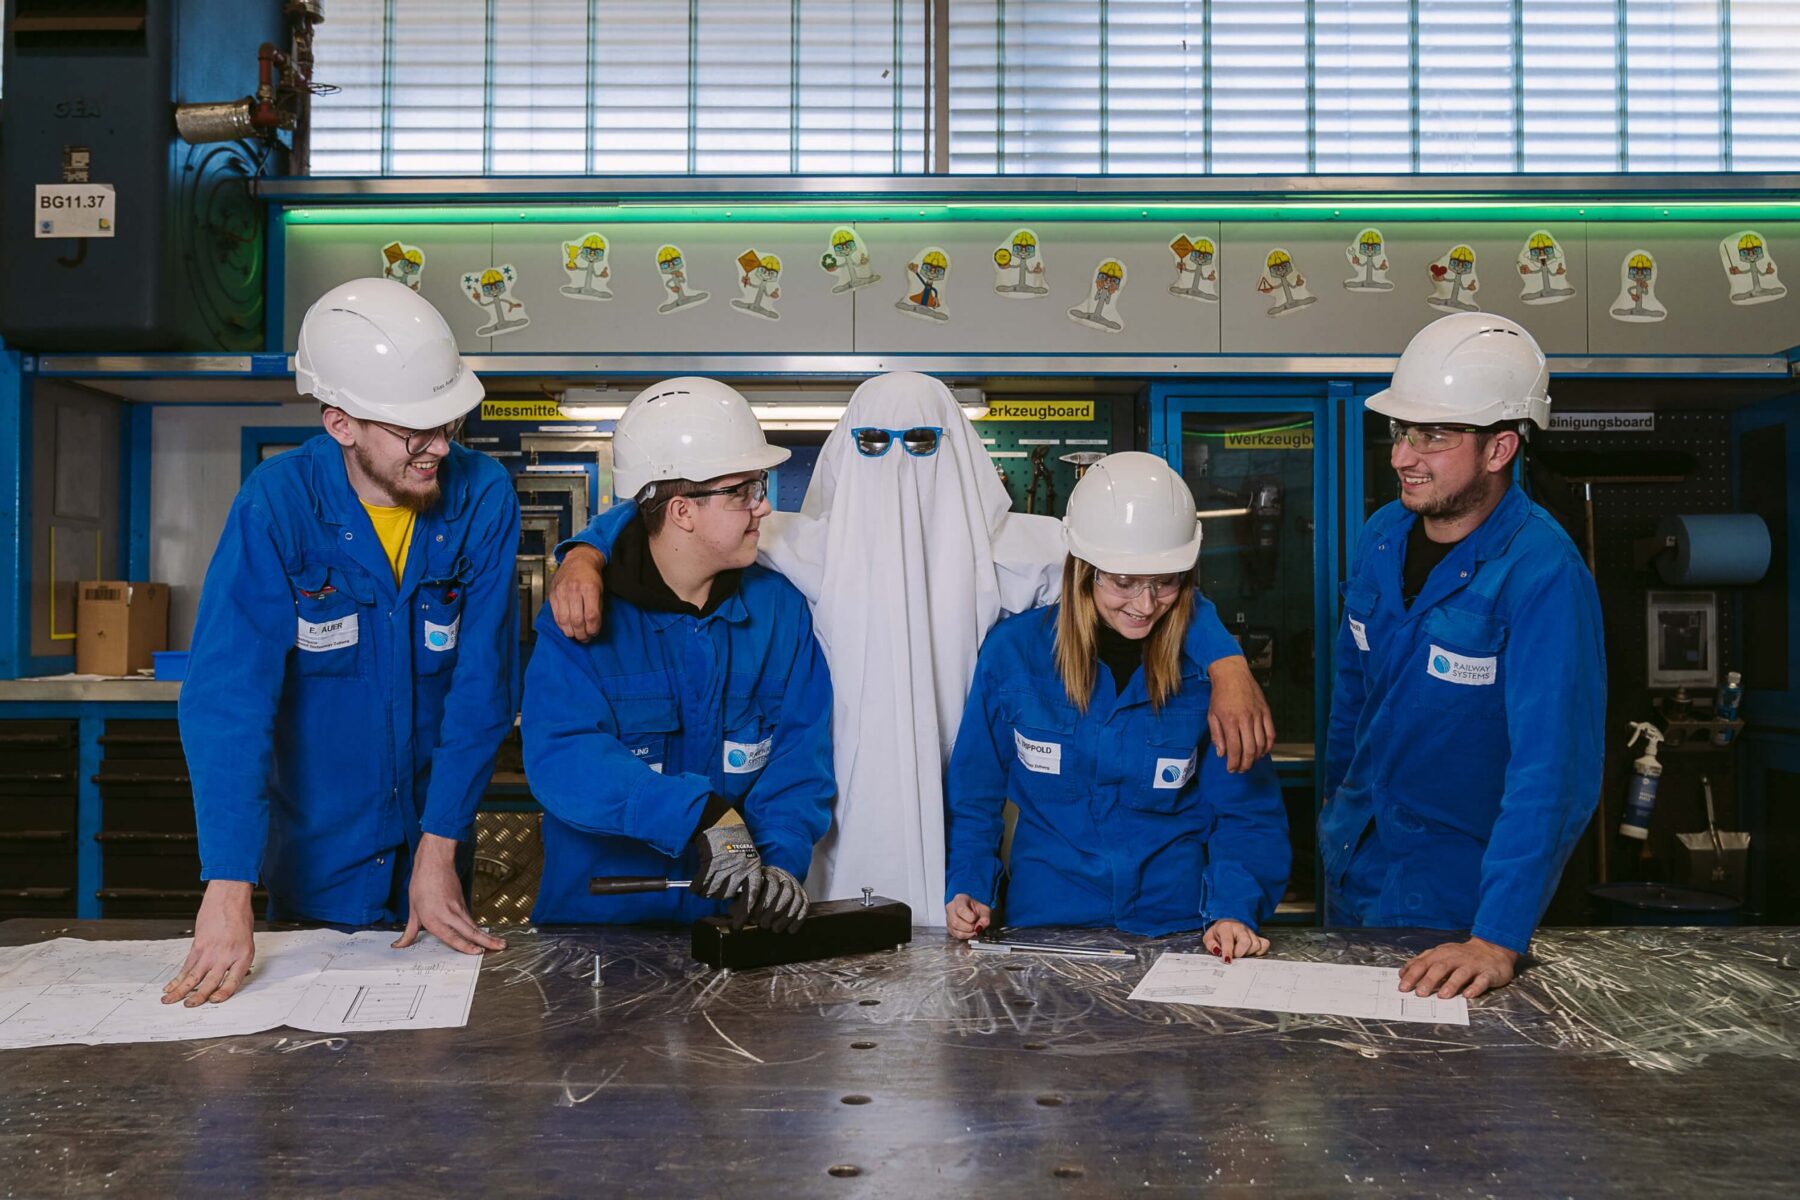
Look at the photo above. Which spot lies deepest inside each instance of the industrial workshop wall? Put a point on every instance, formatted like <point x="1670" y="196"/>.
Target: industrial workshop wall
<point x="1121" y="279"/>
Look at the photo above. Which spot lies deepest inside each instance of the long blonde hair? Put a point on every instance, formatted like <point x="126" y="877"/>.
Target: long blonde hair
<point x="1078" y="638"/>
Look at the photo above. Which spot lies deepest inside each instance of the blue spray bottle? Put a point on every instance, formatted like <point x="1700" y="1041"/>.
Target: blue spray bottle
<point x="1640" y="801"/>
<point x="1730" y="696"/>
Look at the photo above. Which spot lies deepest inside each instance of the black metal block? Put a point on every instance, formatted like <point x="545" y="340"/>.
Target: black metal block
<point x="832" y="928"/>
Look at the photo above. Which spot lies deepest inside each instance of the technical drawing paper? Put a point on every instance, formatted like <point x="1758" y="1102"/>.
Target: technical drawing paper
<point x="76" y="992"/>
<point x="1277" y="985"/>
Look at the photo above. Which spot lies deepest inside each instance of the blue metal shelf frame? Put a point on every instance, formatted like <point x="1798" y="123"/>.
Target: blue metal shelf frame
<point x="17" y="373"/>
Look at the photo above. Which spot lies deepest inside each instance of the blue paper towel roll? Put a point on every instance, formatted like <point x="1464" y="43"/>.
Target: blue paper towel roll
<point x="1714" y="549"/>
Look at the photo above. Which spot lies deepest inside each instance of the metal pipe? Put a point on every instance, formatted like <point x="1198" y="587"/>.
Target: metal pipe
<point x="230" y="121"/>
<point x="303" y="14"/>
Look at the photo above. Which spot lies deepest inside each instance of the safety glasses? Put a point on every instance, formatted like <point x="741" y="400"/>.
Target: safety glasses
<point x="740" y="497"/>
<point x="1130" y="587"/>
<point x="1428" y="439"/>
<point x="419" y="440"/>
<point x="918" y="441"/>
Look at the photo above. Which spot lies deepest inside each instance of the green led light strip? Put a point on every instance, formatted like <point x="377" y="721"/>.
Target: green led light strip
<point x="1444" y="208"/>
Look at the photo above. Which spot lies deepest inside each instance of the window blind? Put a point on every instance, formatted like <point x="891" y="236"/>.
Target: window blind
<point x="1674" y="86"/>
<point x="1571" y="95"/>
<point x="1466" y="81"/>
<point x="1364" y="71"/>
<point x="1059" y="86"/>
<point x="1764" y="72"/>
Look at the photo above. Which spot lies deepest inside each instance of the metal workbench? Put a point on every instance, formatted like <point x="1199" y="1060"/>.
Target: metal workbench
<point x="1624" y="1062"/>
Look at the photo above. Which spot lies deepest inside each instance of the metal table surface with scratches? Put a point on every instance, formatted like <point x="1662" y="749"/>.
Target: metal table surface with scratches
<point x="1649" y="1062"/>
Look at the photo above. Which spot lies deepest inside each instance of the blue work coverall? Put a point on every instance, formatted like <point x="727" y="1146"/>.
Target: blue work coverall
<point x="1127" y="818"/>
<point x="330" y="717"/>
<point x="1466" y="730"/>
<point x="626" y="737"/>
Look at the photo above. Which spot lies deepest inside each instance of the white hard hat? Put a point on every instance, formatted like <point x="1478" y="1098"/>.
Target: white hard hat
<point x="688" y="428"/>
<point x="1468" y="369"/>
<point x="378" y="350"/>
<point x="1132" y="514"/>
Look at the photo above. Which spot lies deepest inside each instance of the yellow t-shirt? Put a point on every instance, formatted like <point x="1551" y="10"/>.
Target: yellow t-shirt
<point x="394" y="526"/>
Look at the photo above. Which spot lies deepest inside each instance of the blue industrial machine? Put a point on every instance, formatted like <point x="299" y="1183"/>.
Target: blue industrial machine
<point x="135" y="95"/>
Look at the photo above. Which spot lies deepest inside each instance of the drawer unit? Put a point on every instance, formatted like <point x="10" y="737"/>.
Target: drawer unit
<point x="39" y="783"/>
<point x="149" y="851"/>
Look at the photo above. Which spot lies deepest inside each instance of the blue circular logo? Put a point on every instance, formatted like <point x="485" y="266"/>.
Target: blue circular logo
<point x="1441" y="665"/>
<point x="737" y="758"/>
<point x="438" y="638"/>
<point x="1171" y="774"/>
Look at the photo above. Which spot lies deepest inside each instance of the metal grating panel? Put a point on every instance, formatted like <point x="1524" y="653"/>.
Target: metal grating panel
<point x="509" y="862"/>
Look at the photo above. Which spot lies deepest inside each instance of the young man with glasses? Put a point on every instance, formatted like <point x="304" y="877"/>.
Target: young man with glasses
<point x="691" y="740"/>
<point x="353" y="660"/>
<point x="1467" y="718"/>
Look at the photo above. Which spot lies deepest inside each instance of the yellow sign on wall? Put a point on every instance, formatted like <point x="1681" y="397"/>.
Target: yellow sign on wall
<point x="1271" y="439"/>
<point x="521" y="410"/>
<point x="1039" y="410"/>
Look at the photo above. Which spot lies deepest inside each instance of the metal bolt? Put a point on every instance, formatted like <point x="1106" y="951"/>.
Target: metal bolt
<point x="596" y="970"/>
<point x="868" y="897"/>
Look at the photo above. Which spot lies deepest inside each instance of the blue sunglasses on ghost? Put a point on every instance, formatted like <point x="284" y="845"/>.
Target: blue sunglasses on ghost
<point x="919" y="441"/>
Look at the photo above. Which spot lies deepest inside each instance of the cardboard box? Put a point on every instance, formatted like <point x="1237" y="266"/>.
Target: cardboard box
<point x="119" y="625"/>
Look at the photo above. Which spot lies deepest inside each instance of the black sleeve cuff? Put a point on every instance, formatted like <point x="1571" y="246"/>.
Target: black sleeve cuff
<point x="716" y="807"/>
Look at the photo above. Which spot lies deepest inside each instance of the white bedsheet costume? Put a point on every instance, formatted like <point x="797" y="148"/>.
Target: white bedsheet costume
<point x="907" y="561"/>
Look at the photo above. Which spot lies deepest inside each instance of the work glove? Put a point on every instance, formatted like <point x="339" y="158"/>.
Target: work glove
<point x="777" y="902"/>
<point x="783" y="901"/>
<point x="726" y="860"/>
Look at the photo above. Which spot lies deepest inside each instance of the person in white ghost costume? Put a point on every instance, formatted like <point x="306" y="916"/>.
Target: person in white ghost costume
<point x="908" y="557"/>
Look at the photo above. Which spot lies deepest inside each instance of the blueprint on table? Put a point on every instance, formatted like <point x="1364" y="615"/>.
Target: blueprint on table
<point x="76" y="992"/>
<point x="1276" y="985"/>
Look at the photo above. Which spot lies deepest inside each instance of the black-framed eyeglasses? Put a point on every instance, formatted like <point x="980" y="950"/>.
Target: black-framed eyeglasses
<point x="919" y="441"/>
<point x="1428" y="439"/>
<point x="739" y="497"/>
<point x="419" y="440"/>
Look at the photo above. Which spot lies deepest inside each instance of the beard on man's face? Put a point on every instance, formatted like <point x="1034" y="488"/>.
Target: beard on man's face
<point x="1461" y="502"/>
<point x="402" y="489"/>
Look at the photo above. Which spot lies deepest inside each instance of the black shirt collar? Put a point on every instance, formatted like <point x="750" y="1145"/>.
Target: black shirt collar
<point x="631" y="575"/>
<point x="1122" y="655"/>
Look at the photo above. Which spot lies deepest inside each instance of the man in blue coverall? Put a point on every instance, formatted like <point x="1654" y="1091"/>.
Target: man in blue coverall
<point x="1465" y="747"/>
<point x="352" y="667"/>
<point x="692" y="738"/>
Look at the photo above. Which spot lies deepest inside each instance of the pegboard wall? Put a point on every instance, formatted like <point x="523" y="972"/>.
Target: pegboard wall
<point x="1624" y="513"/>
<point x="1013" y="444"/>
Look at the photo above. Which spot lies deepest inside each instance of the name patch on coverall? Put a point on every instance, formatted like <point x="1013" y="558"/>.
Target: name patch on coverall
<point x="1360" y="632"/>
<point x="1459" y="668"/>
<point x="1043" y="757"/>
<point x="1175" y="772"/>
<point x="316" y="636"/>
<point x="642" y="754"/>
<point x="741" y="758"/>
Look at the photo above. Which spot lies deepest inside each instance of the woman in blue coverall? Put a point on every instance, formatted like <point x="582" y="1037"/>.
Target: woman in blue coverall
<point x="1090" y="716"/>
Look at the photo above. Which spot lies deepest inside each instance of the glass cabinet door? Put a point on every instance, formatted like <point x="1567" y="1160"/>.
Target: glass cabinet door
<point x="1252" y="478"/>
<point x="1263" y="471"/>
